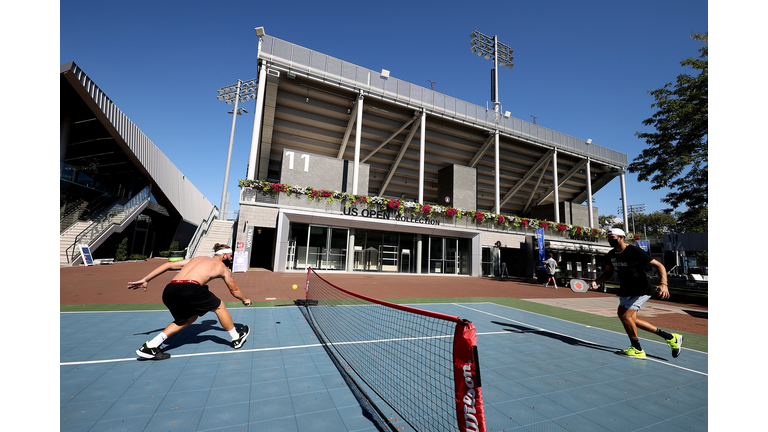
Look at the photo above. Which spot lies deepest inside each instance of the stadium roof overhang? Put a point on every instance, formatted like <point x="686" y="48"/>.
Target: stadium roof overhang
<point x="101" y="137"/>
<point x="311" y="103"/>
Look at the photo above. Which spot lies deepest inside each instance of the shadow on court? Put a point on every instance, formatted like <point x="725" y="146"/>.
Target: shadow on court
<point x="194" y="334"/>
<point x="697" y="314"/>
<point x="562" y="338"/>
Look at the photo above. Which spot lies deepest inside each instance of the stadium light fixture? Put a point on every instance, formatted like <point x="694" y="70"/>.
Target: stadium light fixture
<point x="240" y="92"/>
<point x="491" y="49"/>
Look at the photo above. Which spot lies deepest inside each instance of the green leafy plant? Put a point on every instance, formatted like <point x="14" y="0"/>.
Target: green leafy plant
<point x="121" y="254"/>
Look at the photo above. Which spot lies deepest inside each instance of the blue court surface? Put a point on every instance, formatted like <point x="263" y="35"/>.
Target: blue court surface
<point x="538" y="374"/>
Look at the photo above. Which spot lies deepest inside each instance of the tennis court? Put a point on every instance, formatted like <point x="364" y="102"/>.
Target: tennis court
<point x="538" y="373"/>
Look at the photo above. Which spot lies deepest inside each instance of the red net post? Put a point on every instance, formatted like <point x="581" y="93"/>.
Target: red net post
<point x="469" y="396"/>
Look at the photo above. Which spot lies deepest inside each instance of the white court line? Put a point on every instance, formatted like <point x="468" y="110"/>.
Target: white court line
<point x="583" y="340"/>
<point x="193" y="355"/>
<point x="270" y="349"/>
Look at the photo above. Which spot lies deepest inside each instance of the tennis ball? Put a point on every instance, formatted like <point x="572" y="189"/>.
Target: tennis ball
<point x="294" y="286"/>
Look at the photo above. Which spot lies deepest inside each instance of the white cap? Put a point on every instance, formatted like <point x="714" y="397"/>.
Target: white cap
<point x="618" y="232"/>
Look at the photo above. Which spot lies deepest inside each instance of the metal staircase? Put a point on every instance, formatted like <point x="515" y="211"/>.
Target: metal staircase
<point x="116" y="219"/>
<point x="220" y="231"/>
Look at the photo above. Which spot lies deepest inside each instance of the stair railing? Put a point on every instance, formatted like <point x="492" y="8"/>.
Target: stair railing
<point x="115" y="216"/>
<point x="201" y="232"/>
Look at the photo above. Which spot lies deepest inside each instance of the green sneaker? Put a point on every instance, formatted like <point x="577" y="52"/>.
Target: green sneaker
<point x="632" y="352"/>
<point x="676" y="343"/>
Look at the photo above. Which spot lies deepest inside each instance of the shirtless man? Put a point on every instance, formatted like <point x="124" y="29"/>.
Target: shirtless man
<point x="187" y="297"/>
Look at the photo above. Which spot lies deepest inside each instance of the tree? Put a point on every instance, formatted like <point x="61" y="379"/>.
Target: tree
<point x="652" y="224"/>
<point x="676" y="156"/>
<point x="693" y="223"/>
<point x="605" y="222"/>
<point x="121" y="254"/>
<point x="656" y="223"/>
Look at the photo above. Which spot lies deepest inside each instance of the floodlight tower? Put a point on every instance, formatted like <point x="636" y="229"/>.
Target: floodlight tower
<point x="240" y="92"/>
<point x="491" y="49"/>
<point x="635" y="208"/>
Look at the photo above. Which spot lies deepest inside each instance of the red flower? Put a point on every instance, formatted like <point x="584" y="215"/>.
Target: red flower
<point x="426" y="208"/>
<point x="451" y="212"/>
<point x="479" y="216"/>
<point x="544" y="225"/>
<point x="578" y="230"/>
<point x="524" y="222"/>
<point x="561" y="227"/>
<point x="393" y="204"/>
<point x="500" y="220"/>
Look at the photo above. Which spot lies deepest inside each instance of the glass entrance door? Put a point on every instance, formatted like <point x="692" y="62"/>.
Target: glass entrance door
<point x="337" y="249"/>
<point x="327" y="247"/>
<point x="443" y="255"/>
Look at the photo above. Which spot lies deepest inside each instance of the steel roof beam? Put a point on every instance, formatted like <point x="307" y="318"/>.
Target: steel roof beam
<point x="350" y="124"/>
<point x="562" y="181"/>
<point x="391" y="137"/>
<point x="480" y="153"/>
<point x="400" y="155"/>
<point x="516" y="188"/>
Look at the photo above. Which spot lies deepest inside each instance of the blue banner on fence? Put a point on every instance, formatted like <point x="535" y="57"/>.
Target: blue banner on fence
<point x="644" y="245"/>
<point x="540" y="239"/>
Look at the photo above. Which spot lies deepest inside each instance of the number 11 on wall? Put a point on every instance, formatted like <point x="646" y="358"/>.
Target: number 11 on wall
<point x="290" y="160"/>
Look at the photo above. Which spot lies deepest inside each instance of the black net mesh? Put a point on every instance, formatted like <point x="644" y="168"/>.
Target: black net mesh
<point x="403" y="356"/>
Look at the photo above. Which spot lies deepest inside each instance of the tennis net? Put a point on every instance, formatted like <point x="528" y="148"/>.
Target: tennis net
<point x="422" y="364"/>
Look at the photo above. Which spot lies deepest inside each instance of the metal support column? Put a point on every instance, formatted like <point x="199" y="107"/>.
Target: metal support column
<point x="554" y="184"/>
<point x="497" y="168"/>
<point x="589" y="194"/>
<point x="253" y="158"/>
<point x="422" y="146"/>
<point x="358" y="135"/>
<point x="624" y="200"/>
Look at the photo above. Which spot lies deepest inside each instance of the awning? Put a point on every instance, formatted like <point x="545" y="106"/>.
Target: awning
<point x="577" y="247"/>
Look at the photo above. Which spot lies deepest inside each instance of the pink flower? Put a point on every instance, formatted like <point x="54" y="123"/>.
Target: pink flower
<point x="426" y="208"/>
<point x="451" y="212"/>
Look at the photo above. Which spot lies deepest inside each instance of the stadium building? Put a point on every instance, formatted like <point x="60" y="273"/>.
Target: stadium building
<point x="351" y="169"/>
<point x="115" y="184"/>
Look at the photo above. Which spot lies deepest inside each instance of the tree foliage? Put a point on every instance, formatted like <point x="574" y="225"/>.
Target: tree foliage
<point x="652" y="224"/>
<point x="676" y="156"/>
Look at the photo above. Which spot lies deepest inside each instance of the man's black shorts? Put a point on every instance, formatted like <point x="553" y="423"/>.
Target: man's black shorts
<point x="188" y="298"/>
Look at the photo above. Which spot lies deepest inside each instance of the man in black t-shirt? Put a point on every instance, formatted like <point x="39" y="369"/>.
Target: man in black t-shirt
<point x="629" y="263"/>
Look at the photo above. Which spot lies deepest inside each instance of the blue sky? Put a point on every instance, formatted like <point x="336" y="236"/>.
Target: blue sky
<point x="581" y="68"/>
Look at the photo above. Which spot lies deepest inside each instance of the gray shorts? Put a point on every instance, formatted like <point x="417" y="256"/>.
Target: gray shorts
<point x="633" y="303"/>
